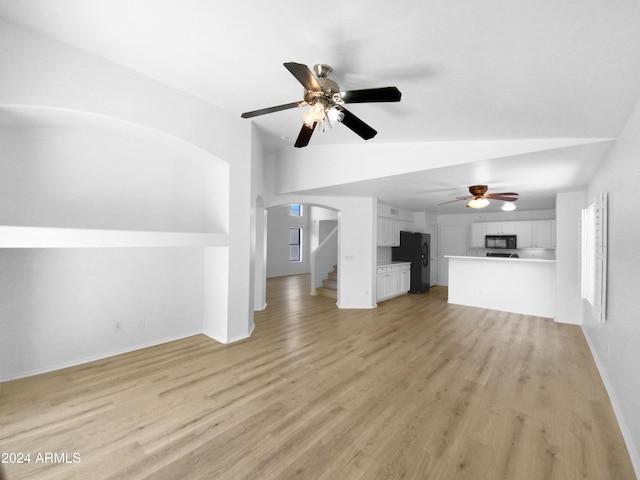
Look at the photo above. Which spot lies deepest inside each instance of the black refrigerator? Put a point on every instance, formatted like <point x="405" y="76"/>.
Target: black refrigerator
<point x="415" y="248"/>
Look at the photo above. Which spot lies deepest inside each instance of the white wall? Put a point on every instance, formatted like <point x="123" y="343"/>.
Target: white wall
<point x="258" y="259"/>
<point x="125" y="152"/>
<point x="615" y="343"/>
<point x="279" y="221"/>
<point x="62" y="177"/>
<point x="60" y="306"/>
<point x="568" y="214"/>
<point x="431" y="227"/>
<point x="343" y="164"/>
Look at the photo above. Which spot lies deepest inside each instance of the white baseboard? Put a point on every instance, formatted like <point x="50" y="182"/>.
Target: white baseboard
<point x="225" y="340"/>
<point x="626" y="434"/>
<point x="93" y="358"/>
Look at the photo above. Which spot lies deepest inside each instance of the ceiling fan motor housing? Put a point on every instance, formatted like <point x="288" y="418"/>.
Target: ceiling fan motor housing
<point x="322" y="70"/>
<point x="330" y="89"/>
<point x="478" y="190"/>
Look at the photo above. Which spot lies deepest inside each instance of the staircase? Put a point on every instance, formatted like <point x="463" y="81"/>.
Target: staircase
<point x="329" y="286"/>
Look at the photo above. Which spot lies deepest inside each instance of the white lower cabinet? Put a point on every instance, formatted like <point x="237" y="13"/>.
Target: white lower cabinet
<point x="392" y="280"/>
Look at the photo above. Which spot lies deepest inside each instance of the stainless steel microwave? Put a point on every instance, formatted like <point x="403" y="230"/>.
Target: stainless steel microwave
<point x="500" y="241"/>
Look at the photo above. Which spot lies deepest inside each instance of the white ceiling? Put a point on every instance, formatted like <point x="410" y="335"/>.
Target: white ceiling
<point x="468" y="70"/>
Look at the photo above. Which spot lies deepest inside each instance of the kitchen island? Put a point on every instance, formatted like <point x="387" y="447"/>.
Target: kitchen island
<point x="517" y="285"/>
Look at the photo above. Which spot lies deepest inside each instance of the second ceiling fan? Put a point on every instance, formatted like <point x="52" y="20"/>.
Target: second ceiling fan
<point x="326" y="100"/>
<point x="479" y="197"/>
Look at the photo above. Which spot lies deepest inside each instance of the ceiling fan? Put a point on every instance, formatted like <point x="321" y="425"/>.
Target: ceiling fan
<point x="479" y="197"/>
<point x="326" y="100"/>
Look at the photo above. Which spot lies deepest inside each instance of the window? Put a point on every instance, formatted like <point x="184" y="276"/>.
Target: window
<point x="295" y="235"/>
<point x="295" y="210"/>
<point x="594" y="256"/>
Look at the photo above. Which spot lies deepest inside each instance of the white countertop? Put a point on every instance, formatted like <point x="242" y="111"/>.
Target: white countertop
<point x="501" y="259"/>
<point x="391" y="263"/>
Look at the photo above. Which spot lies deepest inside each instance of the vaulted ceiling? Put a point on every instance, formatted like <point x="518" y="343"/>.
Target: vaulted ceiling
<point x="469" y="71"/>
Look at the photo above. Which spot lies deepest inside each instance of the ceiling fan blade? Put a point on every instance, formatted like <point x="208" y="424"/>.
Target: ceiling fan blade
<point x="467" y="197"/>
<point x="509" y="194"/>
<point x="304" y="76"/>
<point x="500" y="197"/>
<point x="305" y="135"/>
<point x="385" y="94"/>
<point x="263" y="111"/>
<point x="357" y="125"/>
<point x="452" y="201"/>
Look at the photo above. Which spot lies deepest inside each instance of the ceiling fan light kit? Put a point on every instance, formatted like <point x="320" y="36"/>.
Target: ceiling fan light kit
<point x="326" y="100"/>
<point x="478" y="203"/>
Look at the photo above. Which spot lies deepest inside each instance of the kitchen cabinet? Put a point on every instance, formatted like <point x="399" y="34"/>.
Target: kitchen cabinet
<point x="501" y="228"/>
<point x="524" y="233"/>
<point x="392" y="280"/>
<point x="544" y="234"/>
<point x="530" y="234"/>
<point x="405" y="278"/>
<point x="478" y="232"/>
<point x="388" y="233"/>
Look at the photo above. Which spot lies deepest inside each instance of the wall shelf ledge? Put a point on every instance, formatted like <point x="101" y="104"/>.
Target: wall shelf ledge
<point x="48" y="237"/>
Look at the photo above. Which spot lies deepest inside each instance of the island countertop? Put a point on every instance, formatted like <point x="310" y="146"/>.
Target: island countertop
<point x="501" y="259"/>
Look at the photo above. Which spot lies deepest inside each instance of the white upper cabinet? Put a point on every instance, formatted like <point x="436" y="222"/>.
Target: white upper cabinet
<point x="524" y="233"/>
<point x="478" y="232"/>
<point x="530" y="234"/>
<point x="544" y="234"/>
<point x="501" y="228"/>
<point x="391" y="221"/>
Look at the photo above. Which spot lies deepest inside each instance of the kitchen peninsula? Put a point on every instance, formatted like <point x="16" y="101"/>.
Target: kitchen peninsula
<point x="518" y="285"/>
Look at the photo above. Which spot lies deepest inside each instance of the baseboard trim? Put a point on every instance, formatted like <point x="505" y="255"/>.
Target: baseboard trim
<point x="237" y="338"/>
<point x="626" y="434"/>
<point x="93" y="358"/>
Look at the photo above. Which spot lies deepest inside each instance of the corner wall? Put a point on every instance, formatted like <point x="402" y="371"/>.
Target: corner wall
<point x="49" y="79"/>
<point x="614" y="343"/>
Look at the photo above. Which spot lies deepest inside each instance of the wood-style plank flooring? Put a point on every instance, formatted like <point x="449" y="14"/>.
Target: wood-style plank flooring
<point x="414" y="389"/>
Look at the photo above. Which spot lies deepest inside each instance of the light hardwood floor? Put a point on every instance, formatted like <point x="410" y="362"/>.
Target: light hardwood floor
<point x="414" y="389"/>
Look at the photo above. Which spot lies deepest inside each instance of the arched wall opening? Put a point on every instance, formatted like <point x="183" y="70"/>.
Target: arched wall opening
<point x="314" y="223"/>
